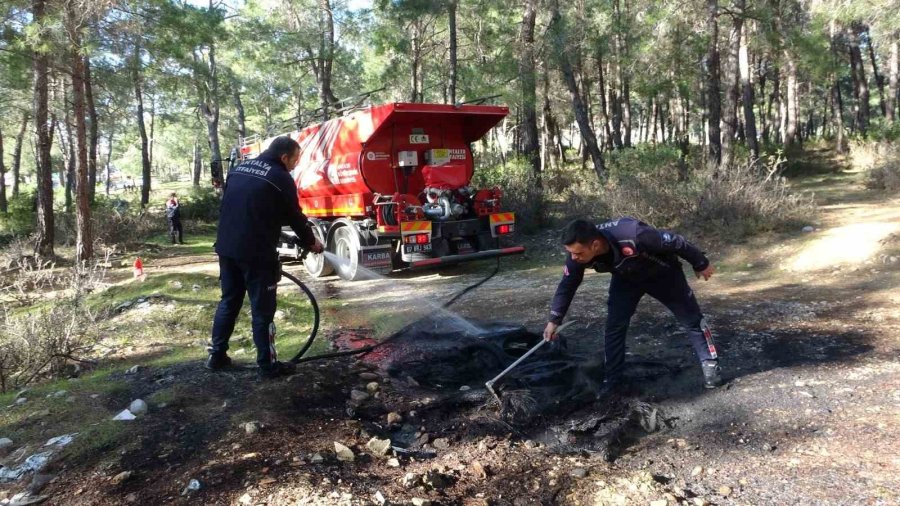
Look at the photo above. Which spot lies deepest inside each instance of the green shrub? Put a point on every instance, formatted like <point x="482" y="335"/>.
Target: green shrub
<point x="746" y="199"/>
<point x="20" y="218"/>
<point x="116" y="221"/>
<point x="200" y="204"/>
<point x="520" y="194"/>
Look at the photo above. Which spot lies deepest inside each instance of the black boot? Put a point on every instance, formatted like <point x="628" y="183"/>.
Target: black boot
<point x="712" y="374"/>
<point x="276" y="370"/>
<point x="218" y="361"/>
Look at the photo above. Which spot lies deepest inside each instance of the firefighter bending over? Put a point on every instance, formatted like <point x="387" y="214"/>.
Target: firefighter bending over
<point x="259" y="198"/>
<point x="642" y="260"/>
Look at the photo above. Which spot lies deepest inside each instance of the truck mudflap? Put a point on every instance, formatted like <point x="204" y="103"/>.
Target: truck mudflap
<point x="479" y="255"/>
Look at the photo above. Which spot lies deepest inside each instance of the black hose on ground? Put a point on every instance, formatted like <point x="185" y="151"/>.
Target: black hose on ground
<point x="299" y="358"/>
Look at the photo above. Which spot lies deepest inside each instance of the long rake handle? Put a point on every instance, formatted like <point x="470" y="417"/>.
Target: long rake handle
<point x="490" y="384"/>
<point x="518" y="361"/>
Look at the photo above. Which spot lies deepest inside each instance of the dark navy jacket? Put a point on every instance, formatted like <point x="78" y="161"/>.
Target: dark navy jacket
<point x="638" y="253"/>
<point x="259" y="198"/>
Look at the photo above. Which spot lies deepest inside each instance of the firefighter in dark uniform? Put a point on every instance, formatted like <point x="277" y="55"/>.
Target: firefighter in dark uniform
<point x="642" y="260"/>
<point x="259" y="198"/>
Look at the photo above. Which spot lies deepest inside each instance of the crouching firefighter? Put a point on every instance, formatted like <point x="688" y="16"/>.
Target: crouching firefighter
<point x="642" y="260"/>
<point x="259" y="198"/>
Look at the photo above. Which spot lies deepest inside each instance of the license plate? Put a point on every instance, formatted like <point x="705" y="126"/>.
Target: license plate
<point x="416" y="248"/>
<point x="380" y="257"/>
<point x="463" y="247"/>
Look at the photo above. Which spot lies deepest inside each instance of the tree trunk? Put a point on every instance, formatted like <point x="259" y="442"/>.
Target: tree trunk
<point x="67" y="175"/>
<point x="326" y="55"/>
<point x="94" y="132"/>
<point x="414" y="69"/>
<point x="747" y="88"/>
<point x="584" y="123"/>
<point x="44" y="139"/>
<point x="239" y="108"/>
<point x="616" y="105"/>
<point x="109" y="145"/>
<point x="551" y="147"/>
<point x="624" y="81"/>
<point x="196" y="166"/>
<point x="530" y="137"/>
<point x="451" y="11"/>
<point x="793" y="106"/>
<point x="879" y="79"/>
<point x="84" y="238"/>
<point x="893" y="79"/>
<point x="152" y="138"/>
<point x="17" y="154"/>
<point x="759" y="66"/>
<point x="713" y="95"/>
<point x="4" y="207"/>
<point x="208" y="90"/>
<point x="859" y="80"/>
<point x="626" y="111"/>
<point x="837" y="106"/>
<point x="731" y="92"/>
<point x="145" y="153"/>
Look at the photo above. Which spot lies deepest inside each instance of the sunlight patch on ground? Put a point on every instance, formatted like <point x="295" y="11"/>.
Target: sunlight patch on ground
<point x="849" y="244"/>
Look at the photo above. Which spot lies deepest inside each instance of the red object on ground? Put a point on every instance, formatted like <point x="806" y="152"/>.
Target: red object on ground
<point x="138" y="268"/>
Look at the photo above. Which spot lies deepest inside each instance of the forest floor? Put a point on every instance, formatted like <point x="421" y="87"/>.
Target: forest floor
<point x="807" y="326"/>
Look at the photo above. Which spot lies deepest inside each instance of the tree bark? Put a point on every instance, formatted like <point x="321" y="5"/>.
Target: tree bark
<point x="713" y="95"/>
<point x="142" y="129"/>
<point x="879" y="79"/>
<point x="451" y="87"/>
<point x="530" y="137"/>
<point x="759" y="66"/>
<point x="553" y="144"/>
<point x="747" y="88"/>
<point x="67" y="145"/>
<point x="17" y="154"/>
<point x="792" y="120"/>
<point x="893" y="79"/>
<point x="4" y="207"/>
<point x="208" y="91"/>
<point x="731" y="92"/>
<point x="196" y="166"/>
<point x="584" y="123"/>
<point x="44" y="139"/>
<point x="604" y="110"/>
<point x="326" y="55"/>
<point x="94" y="132"/>
<point x="622" y="73"/>
<point x="239" y="108"/>
<point x="837" y="106"/>
<point x="84" y="238"/>
<point x="109" y="145"/>
<point x="859" y="79"/>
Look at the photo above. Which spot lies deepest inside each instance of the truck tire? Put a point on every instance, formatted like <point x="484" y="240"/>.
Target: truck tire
<point x="316" y="264"/>
<point x="346" y="246"/>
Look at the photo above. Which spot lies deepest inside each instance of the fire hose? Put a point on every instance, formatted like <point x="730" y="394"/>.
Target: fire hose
<point x="299" y="358"/>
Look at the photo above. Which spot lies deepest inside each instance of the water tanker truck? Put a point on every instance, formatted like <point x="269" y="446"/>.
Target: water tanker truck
<point x="389" y="187"/>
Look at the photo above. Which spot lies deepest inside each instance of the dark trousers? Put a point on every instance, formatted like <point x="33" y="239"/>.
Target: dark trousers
<point x="175" y="229"/>
<point x="260" y="282"/>
<point x="672" y="290"/>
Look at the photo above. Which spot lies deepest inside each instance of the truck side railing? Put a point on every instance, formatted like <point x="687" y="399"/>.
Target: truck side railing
<point x="305" y="118"/>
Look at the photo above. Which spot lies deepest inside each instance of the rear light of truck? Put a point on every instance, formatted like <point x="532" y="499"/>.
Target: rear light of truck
<point x="504" y="229"/>
<point x="417" y="239"/>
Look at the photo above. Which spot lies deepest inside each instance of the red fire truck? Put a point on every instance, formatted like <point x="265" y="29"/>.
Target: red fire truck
<point x="389" y="187"/>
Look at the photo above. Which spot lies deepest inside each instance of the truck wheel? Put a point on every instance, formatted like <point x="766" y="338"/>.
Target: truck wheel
<point x="346" y="247"/>
<point x="317" y="265"/>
